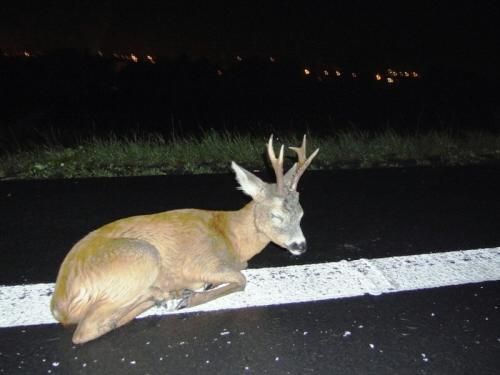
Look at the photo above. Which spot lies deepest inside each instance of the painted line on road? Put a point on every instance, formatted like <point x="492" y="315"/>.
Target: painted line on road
<point x="22" y="305"/>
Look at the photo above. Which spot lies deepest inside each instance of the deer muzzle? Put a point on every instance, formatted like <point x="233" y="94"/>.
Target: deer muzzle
<point x="297" y="248"/>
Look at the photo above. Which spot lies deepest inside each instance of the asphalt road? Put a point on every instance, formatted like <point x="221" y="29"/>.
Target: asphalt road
<point x="348" y="215"/>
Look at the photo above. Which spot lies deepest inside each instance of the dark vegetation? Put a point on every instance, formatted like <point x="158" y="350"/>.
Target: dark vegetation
<point x="72" y="114"/>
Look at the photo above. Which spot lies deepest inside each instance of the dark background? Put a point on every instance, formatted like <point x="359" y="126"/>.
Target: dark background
<point x="213" y="67"/>
<point x="463" y="35"/>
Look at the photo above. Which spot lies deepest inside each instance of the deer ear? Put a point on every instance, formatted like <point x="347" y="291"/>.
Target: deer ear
<point x="249" y="183"/>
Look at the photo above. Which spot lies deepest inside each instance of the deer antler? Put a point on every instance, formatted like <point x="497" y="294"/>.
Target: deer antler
<point x="302" y="163"/>
<point x="277" y="164"/>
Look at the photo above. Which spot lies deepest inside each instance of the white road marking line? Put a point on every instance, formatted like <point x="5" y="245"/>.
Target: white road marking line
<point x="23" y="305"/>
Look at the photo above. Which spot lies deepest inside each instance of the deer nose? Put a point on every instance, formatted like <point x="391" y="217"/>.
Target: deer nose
<point x="297" y="248"/>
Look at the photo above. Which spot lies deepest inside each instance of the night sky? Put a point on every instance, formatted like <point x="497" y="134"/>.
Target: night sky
<point x="462" y="35"/>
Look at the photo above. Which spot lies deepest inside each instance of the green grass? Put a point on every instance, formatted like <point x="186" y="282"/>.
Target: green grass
<point x="212" y="152"/>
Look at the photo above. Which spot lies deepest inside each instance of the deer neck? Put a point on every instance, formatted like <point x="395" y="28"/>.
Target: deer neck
<point x="244" y="234"/>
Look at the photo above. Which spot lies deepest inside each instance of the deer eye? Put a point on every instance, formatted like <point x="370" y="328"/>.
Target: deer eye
<point x="277" y="219"/>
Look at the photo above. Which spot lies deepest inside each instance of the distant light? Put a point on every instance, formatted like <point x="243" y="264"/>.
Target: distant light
<point x="378" y="77"/>
<point x="27" y="54"/>
<point x="100" y="53"/>
<point x="116" y="56"/>
<point x="354" y="75"/>
<point x="407" y="74"/>
<point x="239" y="58"/>
<point x="390" y="80"/>
<point x="307" y="71"/>
<point x="414" y="74"/>
<point x="151" y="59"/>
<point x="133" y="57"/>
<point x="392" y="73"/>
<point x="272" y="59"/>
<point x="338" y="73"/>
<point x="326" y="73"/>
<point x="219" y="72"/>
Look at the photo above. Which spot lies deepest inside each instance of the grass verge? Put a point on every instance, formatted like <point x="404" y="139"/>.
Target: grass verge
<point x="212" y="151"/>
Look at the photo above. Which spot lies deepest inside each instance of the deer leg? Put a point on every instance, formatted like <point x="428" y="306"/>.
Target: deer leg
<point x="197" y="298"/>
<point x="123" y="289"/>
<point x="103" y="317"/>
<point x="230" y="281"/>
<point x="99" y="319"/>
<point x="135" y="311"/>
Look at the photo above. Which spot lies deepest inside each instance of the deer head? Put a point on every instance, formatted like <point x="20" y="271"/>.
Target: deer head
<point x="277" y="210"/>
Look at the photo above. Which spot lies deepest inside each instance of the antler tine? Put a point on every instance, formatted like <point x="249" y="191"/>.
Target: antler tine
<point x="277" y="164"/>
<point x="302" y="163"/>
<point x="301" y="151"/>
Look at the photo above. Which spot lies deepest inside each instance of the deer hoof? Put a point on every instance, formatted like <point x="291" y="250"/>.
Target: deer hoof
<point x="185" y="299"/>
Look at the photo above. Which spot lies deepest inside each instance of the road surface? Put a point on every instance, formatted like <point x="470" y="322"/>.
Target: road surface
<point x="406" y="298"/>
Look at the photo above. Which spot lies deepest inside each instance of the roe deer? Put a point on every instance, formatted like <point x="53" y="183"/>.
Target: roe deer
<point x="124" y="268"/>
